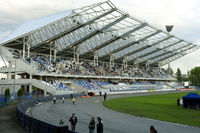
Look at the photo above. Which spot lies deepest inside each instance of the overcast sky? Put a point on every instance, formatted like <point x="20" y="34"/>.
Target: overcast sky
<point x="183" y="14"/>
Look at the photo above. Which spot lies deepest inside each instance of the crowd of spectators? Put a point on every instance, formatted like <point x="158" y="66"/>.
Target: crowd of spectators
<point x="62" y="65"/>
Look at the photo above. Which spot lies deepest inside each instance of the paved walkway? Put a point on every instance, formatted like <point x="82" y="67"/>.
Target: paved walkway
<point x="114" y="122"/>
<point x="8" y="120"/>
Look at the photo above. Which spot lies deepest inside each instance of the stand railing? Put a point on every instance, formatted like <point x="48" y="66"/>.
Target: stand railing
<point x="33" y="125"/>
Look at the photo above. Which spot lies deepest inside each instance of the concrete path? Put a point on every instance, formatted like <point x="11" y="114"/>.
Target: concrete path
<point x="114" y="122"/>
<point x="8" y="120"/>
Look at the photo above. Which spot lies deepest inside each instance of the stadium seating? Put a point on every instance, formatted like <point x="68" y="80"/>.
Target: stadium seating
<point x="67" y="66"/>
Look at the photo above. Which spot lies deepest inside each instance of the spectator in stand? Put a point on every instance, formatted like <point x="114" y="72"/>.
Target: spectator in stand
<point x="73" y="120"/>
<point x="92" y="125"/>
<point x="99" y="125"/>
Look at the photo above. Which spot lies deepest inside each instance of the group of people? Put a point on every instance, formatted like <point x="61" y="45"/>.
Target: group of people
<point x="99" y="126"/>
<point x="85" y="67"/>
<point x="104" y="96"/>
<point x="63" y="99"/>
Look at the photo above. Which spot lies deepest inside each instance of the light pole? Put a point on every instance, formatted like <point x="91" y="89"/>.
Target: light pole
<point x="15" y="57"/>
<point x="169" y="29"/>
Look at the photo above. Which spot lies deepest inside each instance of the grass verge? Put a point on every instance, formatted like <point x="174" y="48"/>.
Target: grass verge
<point x="160" y="107"/>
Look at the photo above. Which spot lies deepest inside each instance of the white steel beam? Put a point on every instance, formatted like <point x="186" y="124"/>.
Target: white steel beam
<point x="147" y="50"/>
<point x="180" y="55"/>
<point x="112" y="51"/>
<point x="74" y="28"/>
<point x="176" y="52"/>
<point x="94" y="33"/>
<point x="159" y="53"/>
<point x="116" y="38"/>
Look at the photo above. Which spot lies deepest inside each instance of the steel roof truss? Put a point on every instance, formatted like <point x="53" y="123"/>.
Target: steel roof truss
<point x="128" y="49"/>
<point x="169" y="55"/>
<point x="96" y="32"/>
<point x="114" y="38"/>
<point x="159" y="52"/>
<point x="179" y="56"/>
<point x="146" y="51"/>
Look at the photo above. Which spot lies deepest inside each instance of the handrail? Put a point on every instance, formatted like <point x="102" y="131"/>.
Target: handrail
<point x="33" y="125"/>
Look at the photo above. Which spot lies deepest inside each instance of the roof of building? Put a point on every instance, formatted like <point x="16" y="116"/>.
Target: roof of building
<point x="100" y="30"/>
<point x="35" y="24"/>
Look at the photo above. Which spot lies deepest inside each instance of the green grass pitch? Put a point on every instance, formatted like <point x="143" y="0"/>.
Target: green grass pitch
<point x="160" y="107"/>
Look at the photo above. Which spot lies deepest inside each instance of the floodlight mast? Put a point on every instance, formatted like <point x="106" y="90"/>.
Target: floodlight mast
<point x="169" y="29"/>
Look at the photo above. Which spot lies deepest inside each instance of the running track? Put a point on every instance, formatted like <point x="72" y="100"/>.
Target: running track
<point x="114" y="122"/>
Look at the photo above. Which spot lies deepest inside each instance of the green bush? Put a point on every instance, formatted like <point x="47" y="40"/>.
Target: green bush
<point x="7" y="95"/>
<point x="20" y="94"/>
<point x="7" y="92"/>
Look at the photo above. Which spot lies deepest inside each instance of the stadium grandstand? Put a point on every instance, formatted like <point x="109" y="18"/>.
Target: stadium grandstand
<point x="94" y="48"/>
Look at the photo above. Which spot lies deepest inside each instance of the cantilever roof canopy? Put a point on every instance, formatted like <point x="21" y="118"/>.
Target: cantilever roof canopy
<point x="100" y="30"/>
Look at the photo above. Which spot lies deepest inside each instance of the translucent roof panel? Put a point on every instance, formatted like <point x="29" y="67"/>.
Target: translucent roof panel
<point x="34" y="24"/>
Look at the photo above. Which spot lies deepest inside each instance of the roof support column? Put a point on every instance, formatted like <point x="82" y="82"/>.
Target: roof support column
<point x="24" y="50"/>
<point x="112" y="63"/>
<point x="55" y="54"/>
<point x="28" y="45"/>
<point x="169" y="69"/>
<point x="136" y="63"/>
<point x="52" y="50"/>
<point x="50" y="55"/>
<point x="76" y="55"/>
<point x="125" y="64"/>
<point x="147" y="65"/>
<point x="74" y="52"/>
<point x="96" y="60"/>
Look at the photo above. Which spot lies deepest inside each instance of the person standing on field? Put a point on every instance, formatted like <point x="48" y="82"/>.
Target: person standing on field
<point x="73" y="120"/>
<point x="105" y="95"/>
<point x="92" y="125"/>
<point x="99" y="125"/>
<point x="54" y="100"/>
<point x="152" y="129"/>
<point x="73" y="100"/>
<point x="63" y="99"/>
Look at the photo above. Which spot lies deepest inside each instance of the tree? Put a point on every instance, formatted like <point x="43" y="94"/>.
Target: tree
<point x="7" y="95"/>
<point x="20" y="94"/>
<point x="179" y="75"/>
<point x="185" y="77"/>
<point x="195" y="76"/>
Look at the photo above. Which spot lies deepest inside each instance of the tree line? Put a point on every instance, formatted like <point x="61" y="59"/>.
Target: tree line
<point x="193" y="76"/>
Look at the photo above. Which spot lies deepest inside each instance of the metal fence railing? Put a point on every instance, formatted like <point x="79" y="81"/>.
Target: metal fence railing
<point x="33" y="125"/>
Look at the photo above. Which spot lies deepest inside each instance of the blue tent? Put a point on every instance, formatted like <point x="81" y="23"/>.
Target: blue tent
<point x="191" y="100"/>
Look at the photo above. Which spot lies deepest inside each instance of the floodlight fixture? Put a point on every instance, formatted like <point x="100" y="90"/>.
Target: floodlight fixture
<point x="169" y="28"/>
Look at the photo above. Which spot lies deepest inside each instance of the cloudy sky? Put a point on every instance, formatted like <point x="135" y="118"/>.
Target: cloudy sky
<point x="183" y="14"/>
